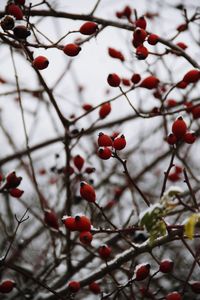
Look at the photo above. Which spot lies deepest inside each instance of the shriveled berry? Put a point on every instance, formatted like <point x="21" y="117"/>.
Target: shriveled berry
<point x="21" y="32"/>
<point x="7" y="23"/>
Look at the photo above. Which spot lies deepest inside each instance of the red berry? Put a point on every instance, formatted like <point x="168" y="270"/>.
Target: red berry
<point x="51" y="219"/>
<point x="142" y="52"/>
<point x="178" y="169"/>
<point x="113" y="80"/>
<point x="139" y="36"/>
<point x="142" y="272"/>
<point x="87" y="192"/>
<point x="15" y="11"/>
<point x="195" y="286"/>
<point x="171" y="102"/>
<point x="189" y="107"/>
<point x="104" y="153"/>
<point x="135" y="78"/>
<point x="166" y="266"/>
<point x="182" y="27"/>
<point x="95" y="288"/>
<point x="104" y="140"/>
<point x="115" y="54"/>
<point x="119" y="143"/>
<point x="40" y="62"/>
<point x="88" y="28"/>
<point x="153" y="39"/>
<point x="182" y="45"/>
<point x="104" y="251"/>
<point x="179" y="128"/>
<point x="7" y="286"/>
<point x="150" y="82"/>
<point x="89" y="170"/>
<point x="189" y="138"/>
<point x="74" y="286"/>
<point x="174" y="296"/>
<point x="145" y="292"/>
<point x="174" y="177"/>
<point x="105" y="109"/>
<point x="78" y="162"/>
<point x="86" y="237"/>
<point x="141" y="22"/>
<point x="82" y="223"/>
<point x="70" y="223"/>
<point x="12" y="181"/>
<point x="119" y="15"/>
<point x="171" y="139"/>
<point x="127" y="11"/>
<point x="72" y="49"/>
<point x="87" y="106"/>
<point x="126" y="82"/>
<point x="196" y="112"/>
<point x="192" y="76"/>
<point x="182" y="84"/>
<point x="16" y="193"/>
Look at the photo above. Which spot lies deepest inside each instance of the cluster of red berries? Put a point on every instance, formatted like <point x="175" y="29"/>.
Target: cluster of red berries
<point x="10" y="185"/>
<point x="74" y="287"/>
<point x="140" y="36"/>
<point x="82" y="224"/>
<point x="179" y="133"/>
<point x="106" y="143"/>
